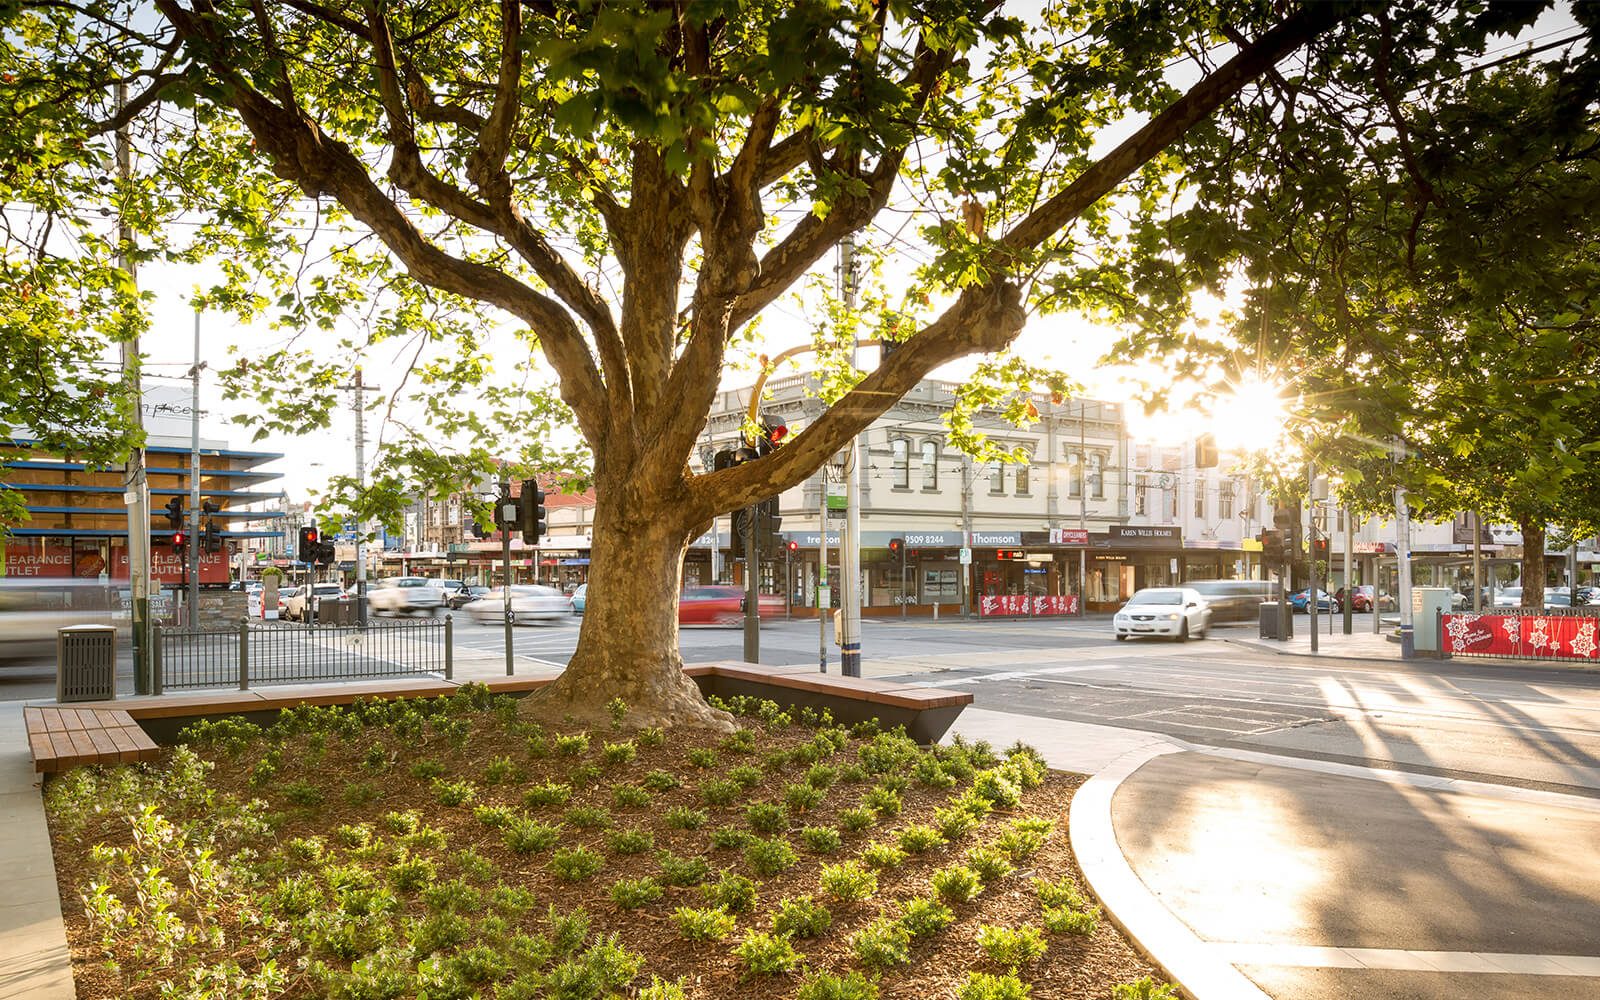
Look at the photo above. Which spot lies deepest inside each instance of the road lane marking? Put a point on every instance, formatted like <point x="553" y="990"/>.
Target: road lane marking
<point x="1010" y="675"/>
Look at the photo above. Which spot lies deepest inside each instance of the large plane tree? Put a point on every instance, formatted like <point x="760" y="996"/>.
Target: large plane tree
<point x="631" y="185"/>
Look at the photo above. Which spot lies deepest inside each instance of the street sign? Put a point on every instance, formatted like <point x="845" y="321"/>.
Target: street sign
<point x="966" y="557"/>
<point x="824" y="597"/>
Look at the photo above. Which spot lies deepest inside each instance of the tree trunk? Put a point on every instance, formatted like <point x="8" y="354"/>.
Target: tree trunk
<point x="628" y="647"/>
<point x="1532" y="562"/>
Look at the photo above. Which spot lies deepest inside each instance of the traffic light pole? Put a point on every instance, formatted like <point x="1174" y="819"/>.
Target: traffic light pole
<point x="192" y="563"/>
<point x="1311" y="549"/>
<point x="752" y="592"/>
<point x="508" y="520"/>
<point x="850" y="551"/>
<point x="135" y="484"/>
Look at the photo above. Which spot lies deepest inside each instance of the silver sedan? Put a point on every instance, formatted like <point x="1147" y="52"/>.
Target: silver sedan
<point x="1174" y="612"/>
<point x="529" y="603"/>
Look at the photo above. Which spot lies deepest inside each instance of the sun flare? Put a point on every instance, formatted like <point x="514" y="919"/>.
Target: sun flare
<point x="1249" y="418"/>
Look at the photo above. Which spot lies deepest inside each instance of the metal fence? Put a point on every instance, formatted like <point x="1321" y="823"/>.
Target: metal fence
<point x="1566" y="634"/>
<point x="257" y="652"/>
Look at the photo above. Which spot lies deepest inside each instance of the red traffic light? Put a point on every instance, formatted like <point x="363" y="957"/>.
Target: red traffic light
<point x="179" y="539"/>
<point x="794" y="546"/>
<point x="897" y="546"/>
<point x="311" y="534"/>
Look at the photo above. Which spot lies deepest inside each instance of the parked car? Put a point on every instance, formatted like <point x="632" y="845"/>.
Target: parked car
<point x="463" y="596"/>
<point x="1234" y="600"/>
<point x="529" y="603"/>
<point x="1508" y="597"/>
<point x="1326" y="604"/>
<point x="579" y="597"/>
<point x="405" y="595"/>
<point x="722" y="606"/>
<point x="1176" y="612"/>
<point x="294" y="608"/>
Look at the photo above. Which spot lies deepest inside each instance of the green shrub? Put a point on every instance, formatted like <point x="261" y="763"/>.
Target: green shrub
<point x="454" y="895"/>
<point x="729" y="838"/>
<point x="630" y="796"/>
<point x="883" y="801"/>
<point x="294" y="896"/>
<point x="801" y="917"/>
<point x="711" y="923"/>
<point x="954" y="822"/>
<point x="799" y="798"/>
<point x="684" y="818"/>
<point x="353" y="835"/>
<point x="651" y="736"/>
<point x="703" y="757"/>
<point x="995" y="788"/>
<point x="882" y="944"/>
<point x="438" y="932"/>
<point x="474" y="865"/>
<point x="453" y="793"/>
<point x="632" y="893"/>
<point x="775" y="760"/>
<point x="408" y="875"/>
<point x="495" y="816"/>
<point x="1062" y="920"/>
<point x="660" y="781"/>
<point x="769" y="856"/>
<point x="739" y="741"/>
<point x="569" y="930"/>
<point x="499" y="771"/>
<point x="957" y="883"/>
<point x="1026" y="765"/>
<point x="733" y="893"/>
<point x="990" y="863"/>
<point x="359" y="793"/>
<point x="548" y="794"/>
<point x="766" y="817"/>
<point x="1012" y="946"/>
<point x="827" y="986"/>
<point x="575" y="745"/>
<point x="1143" y="988"/>
<point x="896" y="783"/>
<point x="821" y="839"/>
<point x="764" y="954"/>
<point x="821" y="775"/>
<point x="746" y="777"/>
<point x="528" y="836"/>
<point x="630" y="841"/>
<point x="849" y="881"/>
<point x="585" y="775"/>
<point x="303" y="793"/>
<point x="926" y="915"/>
<point x="1061" y="892"/>
<point x="588" y="817"/>
<point x="856" y="818"/>
<point x="719" y="792"/>
<point x="618" y="710"/>
<point x="883" y="856"/>
<point x="1024" y="837"/>
<point x="617" y="754"/>
<point x="574" y="864"/>
<point x="931" y="771"/>
<point x="427" y="770"/>
<point x="982" y="986"/>
<point x="660" y="989"/>
<point x="888" y="753"/>
<point x="918" y="838"/>
<point x="677" y="870"/>
<point x="853" y="774"/>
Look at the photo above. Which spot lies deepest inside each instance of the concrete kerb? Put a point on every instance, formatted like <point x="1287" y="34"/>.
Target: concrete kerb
<point x="1199" y="970"/>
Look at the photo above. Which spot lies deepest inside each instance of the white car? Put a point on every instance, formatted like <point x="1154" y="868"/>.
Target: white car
<point x="405" y="595"/>
<point x="294" y="607"/>
<point x="528" y="604"/>
<point x="1176" y="612"/>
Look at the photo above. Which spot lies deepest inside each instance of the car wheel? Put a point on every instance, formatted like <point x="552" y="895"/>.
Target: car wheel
<point x="1121" y="638"/>
<point x="1183" y="631"/>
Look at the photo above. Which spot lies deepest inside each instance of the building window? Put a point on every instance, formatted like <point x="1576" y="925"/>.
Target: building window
<point x="1200" y="499"/>
<point x="1172" y="502"/>
<point x="1097" y="480"/>
<point x="1021" y="476"/>
<point x="930" y="465"/>
<point x="1141" y="456"/>
<point x="1225" y="499"/>
<point x="1339" y="520"/>
<point x="1074" y="475"/>
<point x="1140" y="485"/>
<point x="997" y="478"/>
<point x="900" y="448"/>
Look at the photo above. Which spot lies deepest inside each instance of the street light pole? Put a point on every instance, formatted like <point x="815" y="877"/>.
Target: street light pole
<point x="850" y="553"/>
<point x="193" y="561"/>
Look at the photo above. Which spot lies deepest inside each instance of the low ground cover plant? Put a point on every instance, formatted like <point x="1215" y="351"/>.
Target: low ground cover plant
<point x="491" y="854"/>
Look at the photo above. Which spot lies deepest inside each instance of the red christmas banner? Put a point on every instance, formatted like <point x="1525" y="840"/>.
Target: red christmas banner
<point x="1552" y="637"/>
<point x="1022" y="606"/>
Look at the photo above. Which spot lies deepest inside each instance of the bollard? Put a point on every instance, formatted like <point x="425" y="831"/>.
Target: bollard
<point x="155" y="659"/>
<point x="449" y="651"/>
<point x="244" y="654"/>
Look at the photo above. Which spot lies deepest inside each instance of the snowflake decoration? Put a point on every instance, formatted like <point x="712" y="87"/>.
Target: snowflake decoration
<point x="1456" y="627"/>
<point x="1539" y="636"/>
<point x="1583" y="644"/>
<point x="1513" y="626"/>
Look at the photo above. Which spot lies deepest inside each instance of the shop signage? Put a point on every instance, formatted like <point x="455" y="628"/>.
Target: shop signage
<point x="1160" y="536"/>
<point x="932" y="539"/>
<point x="1373" y="548"/>
<point x="1069" y="536"/>
<point x="982" y="539"/>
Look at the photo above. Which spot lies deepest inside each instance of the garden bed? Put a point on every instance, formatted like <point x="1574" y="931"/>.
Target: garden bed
<point x="454" y="848"/>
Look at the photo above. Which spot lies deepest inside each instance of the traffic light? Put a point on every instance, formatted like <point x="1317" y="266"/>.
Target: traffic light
<point x="1205" y="452"/>
<point x="793" y="547"/>
<point x="1272" y="553"/>
<point x="768" y="538"/>
<point x="771" y="436"/>
<point x="309" y="546"/>
<point x="175" y="513"/>
<point x="741" y="527"/>
<point x="209" y="506"/>
<point x="179" y="540"/>
<point x="531" y="512"/>
<point x="478" y="530"/>
<point x="211" y="538"/>
<point x="897" y="548"/>
<point x="324" y="554"/>
<point x="1319" y="549"/>
<point x="1284" y="517"/>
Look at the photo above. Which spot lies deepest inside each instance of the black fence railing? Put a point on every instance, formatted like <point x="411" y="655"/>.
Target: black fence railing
<point x="254" y="653"/>
<point x="1567" y="634"/>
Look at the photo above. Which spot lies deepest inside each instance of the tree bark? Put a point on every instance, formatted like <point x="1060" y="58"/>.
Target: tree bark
<point x="628" y="647"/>
<point x="1532" y="562"/>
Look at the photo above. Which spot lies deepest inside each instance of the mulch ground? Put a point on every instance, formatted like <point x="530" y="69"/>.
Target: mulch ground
<point x="1075" y="967"/>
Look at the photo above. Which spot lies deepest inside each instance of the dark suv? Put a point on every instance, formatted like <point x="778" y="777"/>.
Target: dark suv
<point x="1233" y="600"/>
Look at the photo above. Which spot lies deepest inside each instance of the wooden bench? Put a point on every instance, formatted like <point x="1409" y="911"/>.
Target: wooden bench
<point x="61" y="738"/>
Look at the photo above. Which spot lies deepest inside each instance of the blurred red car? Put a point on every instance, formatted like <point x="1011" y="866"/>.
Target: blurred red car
<point x="721" y="606"/>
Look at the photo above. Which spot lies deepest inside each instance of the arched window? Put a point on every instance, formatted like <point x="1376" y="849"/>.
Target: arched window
<point x="930" y="465"/>
<point x="900" y="449"/>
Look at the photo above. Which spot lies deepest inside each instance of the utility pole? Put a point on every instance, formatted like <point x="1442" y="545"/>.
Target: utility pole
<point x="361" y="482"/>
<point x="752" y="591"/>
<point x="135" y="483"/>
<point x="193" y="560"/>
<point x="1349" y="576"/>
<point x="850" y="552"/>
<point x="1402" y="549"/>
<point x="507" y="518"/>
<point x="1477" y="563"/>
<point x="966" y="535"/>
<point x="1311" y="548"/>
<point x="824" y="592"/>
<point x="1083" y="510"/>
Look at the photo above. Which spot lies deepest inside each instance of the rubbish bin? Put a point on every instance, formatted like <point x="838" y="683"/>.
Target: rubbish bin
<point x="86" y="663"/>
<point x="341" y="612"/>
<point x="1270" y="619"/>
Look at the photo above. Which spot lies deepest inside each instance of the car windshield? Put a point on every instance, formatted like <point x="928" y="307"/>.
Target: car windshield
<point x="1157" y="597"/>
<point x="411" y="582"/>
<point x="329" y="588"/>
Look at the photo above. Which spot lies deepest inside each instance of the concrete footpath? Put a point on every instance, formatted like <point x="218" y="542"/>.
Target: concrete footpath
<point x="34" y="961"/>
<point x="1249" y="875"/>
